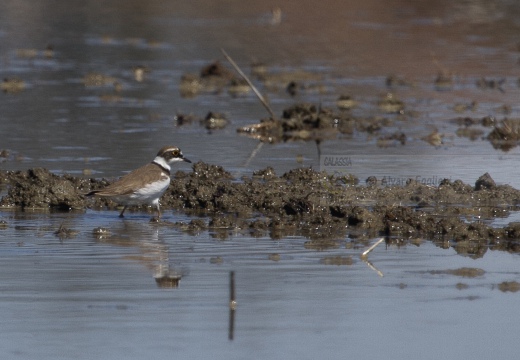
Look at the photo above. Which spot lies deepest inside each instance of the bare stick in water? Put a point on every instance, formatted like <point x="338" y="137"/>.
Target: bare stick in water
<point x="232" y="299"/>
<point x="364" y="255"/>
<point x="255" y="90"/>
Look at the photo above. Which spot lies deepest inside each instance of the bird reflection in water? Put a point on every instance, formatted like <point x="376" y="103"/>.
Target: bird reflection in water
<point x="153" y="252"/>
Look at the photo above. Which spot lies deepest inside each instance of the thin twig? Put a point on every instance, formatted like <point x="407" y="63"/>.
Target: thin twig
<point x="364" y="257"/>
<point x="365" y="253"/>
<point x="232" y="296"/>
<point x="255" y="90"/>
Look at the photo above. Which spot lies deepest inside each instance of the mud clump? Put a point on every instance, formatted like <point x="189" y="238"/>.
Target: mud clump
<point x="64" y="232"/>
<point x="12" y="85"/>
<point x="314" y="204"/>
<point x="214" y="121"/>
<point x="305" y="202"/>
<point x="213" y="78"/>
<point x="485" y="182"/>
<point x="484" y="83"/>
<point x="509" y="286"/>
<point x="309" y="122"/>
<point x="390" y="104"/>
<point x="462" y="272"/>
<point x="505" y="135"/>
<point x="337" y="260"/>
<point x="40" y="189"/>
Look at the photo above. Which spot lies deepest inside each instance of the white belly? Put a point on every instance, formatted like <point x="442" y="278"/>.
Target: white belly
<point x="147" y="195"/>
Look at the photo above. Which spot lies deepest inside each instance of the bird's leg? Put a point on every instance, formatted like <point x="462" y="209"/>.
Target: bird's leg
<point x="122" y="211"/>
<point x="158" y="218"/>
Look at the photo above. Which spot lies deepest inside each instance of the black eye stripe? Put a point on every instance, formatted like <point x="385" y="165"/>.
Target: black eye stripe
<point x="172" y="153"/>
<point x="169" y="152"/>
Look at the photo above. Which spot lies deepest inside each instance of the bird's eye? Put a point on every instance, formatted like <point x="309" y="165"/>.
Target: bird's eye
<point x="175" y="152"/>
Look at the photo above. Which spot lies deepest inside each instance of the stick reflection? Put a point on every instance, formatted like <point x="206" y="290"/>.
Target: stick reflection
<point x="232" y="305"/>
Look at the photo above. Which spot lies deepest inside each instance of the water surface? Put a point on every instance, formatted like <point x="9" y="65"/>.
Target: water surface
<point x="86" y="297"/>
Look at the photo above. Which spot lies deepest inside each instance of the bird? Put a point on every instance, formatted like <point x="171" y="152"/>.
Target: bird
<point x="146" y="184"/>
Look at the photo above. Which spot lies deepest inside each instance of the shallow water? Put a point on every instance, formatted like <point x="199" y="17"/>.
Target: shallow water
<point x="61" y="124"/>
<point x="85" y="297"/>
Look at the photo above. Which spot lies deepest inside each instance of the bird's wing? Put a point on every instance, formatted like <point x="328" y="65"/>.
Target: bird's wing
<point x="126" y="184"/>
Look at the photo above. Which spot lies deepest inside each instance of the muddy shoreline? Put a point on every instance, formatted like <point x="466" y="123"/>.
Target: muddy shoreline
<point x="324" y="208"/>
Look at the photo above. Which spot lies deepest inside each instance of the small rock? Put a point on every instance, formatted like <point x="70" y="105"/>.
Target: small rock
<point x="214" y="121"/>
<point x="371" y="181"/>
<point x="485" y="182"/>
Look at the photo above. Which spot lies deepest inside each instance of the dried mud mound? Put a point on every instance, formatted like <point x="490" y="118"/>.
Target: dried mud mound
<point x="306" y="202"/>
<point x="324" y="207"/>
<point x="40" y="189"/>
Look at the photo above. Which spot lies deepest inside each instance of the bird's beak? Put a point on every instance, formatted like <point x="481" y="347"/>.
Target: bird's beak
<point x="187" y="160"/>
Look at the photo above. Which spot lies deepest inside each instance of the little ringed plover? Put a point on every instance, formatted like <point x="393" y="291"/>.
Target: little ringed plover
<point x="146" y="184"/>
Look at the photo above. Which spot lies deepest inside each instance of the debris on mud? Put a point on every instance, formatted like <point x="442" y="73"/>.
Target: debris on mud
<point x="470" y="133"/>
<point x="310" y="122"/>
<point x="391" y="105"/>
<point x="12" y="85"/>
<point x="393" y="81"/>
<point x="32" y="53"/>
<point x="181" y="119"/>
<point x="307" y="203"/>
<point x="393" y="139"/>
<point x="443" y="81"/>
<point x="460" y="107"/>
<point x="101" y="232"/>
<point x="215" y="78"/>
<point x="504" y="109"/>
<point x="505" y="135"/>
<point x="486" y="121"/>
<point x="462" y="272"/>
<point x="484" y="83"/>
<point x="293" y="82"/>
<point x="212" y="78"/>
<point x="96" y="79"/>
<point x="435" y="138"/>
<point x="509" y="286"/>
<point x="215" y="121"/>
<point x="212" y="121"/>
<point x="300" y="122"/>
<point x="64" y="232"/>
<point x="337" y="260"/>
<point x="238" y="87"/>
<point x="346" y="102"/>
